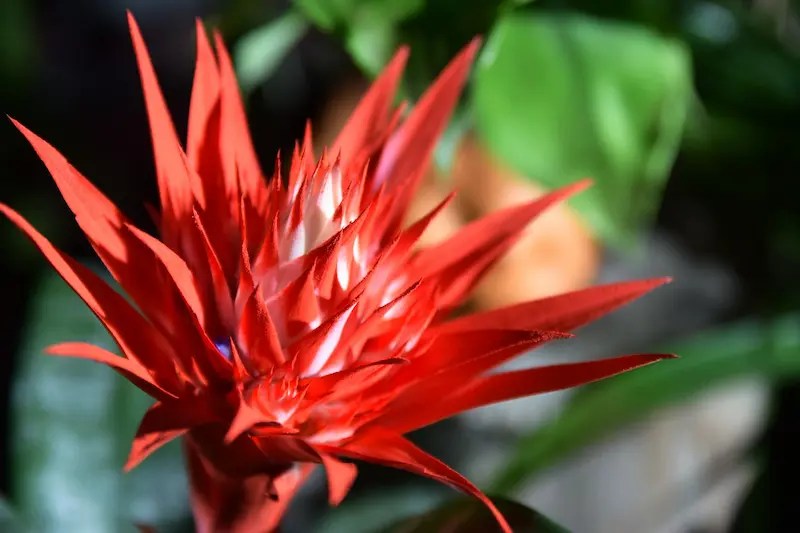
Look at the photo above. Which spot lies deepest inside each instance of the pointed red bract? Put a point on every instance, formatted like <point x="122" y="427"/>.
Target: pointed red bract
<point x="506" y="386"/>
<point x="174" y="183"/>
<point x="372" y="114"/>
<point x="283" y="327"/>
<point x="204" y="102"/>
<point x="147" y="443"/>
<point x="239" y="157"/>
<point x="341" y="476"/>
<point x="563" y="312"/>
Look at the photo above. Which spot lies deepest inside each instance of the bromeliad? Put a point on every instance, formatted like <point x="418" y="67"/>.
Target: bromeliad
<point x="283" y="325"/>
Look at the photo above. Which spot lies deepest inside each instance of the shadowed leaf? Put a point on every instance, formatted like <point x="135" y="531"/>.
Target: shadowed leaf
<point x="469" y="516"/>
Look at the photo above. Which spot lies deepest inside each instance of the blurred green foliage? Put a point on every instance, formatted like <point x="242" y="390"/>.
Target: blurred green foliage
<point x="562" y="97"/>
<point x="73" y="424"/>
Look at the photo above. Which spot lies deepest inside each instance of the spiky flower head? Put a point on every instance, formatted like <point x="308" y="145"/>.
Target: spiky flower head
<point x="282" y="325"/>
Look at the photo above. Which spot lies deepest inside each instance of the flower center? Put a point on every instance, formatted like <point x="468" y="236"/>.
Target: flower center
<point x="280" y="395"/>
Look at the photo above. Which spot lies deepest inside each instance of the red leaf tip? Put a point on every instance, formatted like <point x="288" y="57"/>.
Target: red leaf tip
<point x="17" y="124"/>
<point x="581" y="185"/>
<point x="653" y="283"/>
<point x="475" y="44"/>
<point x="651" y="358"/>
<point x="131" y="19"/>
<point x="402" y="51"/>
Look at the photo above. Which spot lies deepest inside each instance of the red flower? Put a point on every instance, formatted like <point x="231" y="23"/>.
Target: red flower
<point x="280" y="327"/>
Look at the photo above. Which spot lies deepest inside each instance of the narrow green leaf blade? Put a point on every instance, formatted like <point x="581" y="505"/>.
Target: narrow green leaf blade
<point x="597" y="411"/>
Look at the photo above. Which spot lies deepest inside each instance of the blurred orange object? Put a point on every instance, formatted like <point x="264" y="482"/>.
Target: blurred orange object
<point x="557" y="254"/>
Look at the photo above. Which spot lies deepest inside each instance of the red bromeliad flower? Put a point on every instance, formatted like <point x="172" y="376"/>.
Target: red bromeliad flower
<point x="282" y="326"/>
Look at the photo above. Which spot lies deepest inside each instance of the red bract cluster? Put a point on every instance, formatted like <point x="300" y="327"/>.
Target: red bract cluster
<point x="282" y="326"/>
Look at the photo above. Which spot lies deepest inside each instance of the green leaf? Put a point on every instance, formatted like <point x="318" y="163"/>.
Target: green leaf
<point x="471" y="516"/>
<point x="371" y="45"/>
<point x="261" y="51"/>
<point x="747" y="348"/>
<point x="73" y="423"/>
<point x="562" y="97"/>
